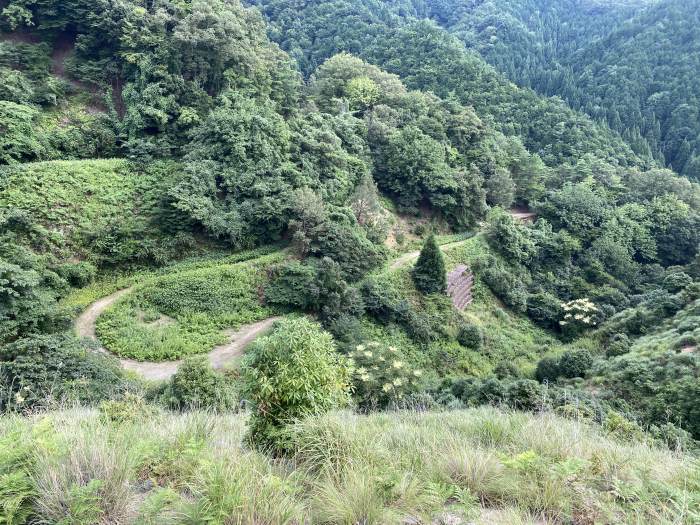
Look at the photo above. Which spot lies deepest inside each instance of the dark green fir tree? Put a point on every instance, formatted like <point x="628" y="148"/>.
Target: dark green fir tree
<point x="429" y="272"/>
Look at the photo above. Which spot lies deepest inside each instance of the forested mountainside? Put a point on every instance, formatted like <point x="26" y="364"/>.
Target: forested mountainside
<point x="396" y="37"/>
<point x="631" y="65"/>
<point x="256" y="260"/>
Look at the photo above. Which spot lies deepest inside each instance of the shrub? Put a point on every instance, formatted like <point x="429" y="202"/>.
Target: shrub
<point x="618" y="344"/>
<point x="545" y="309"/>
<point x="429" y="272"/>
<point x="470" y="336"/>
<point x="292" y="284"/>
<point x="547" y="369"/>
<point x="504" y="284"/>
<point x="195" y="385"/>
<point x="420" y="229"/>
<point x="292" y="373"/>
<point x="575" y="363"/>
<point x="386" y="305"/>
<point x="39" y="369"/>
<point x="579" y="315"/>
<point x="677" y="281"/>
<point x="524" y="394"/>
<point x="381" y="376"/>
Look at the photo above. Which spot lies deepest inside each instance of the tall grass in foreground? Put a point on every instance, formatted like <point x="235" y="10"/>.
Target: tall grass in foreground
<point x="78" y="466"/>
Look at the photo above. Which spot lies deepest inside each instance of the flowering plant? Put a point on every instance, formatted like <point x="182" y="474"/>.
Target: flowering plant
<point x="381" y="375"/>
<point x="579" y="315"/>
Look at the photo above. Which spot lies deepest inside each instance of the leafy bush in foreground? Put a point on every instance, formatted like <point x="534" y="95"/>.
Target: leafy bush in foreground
<point x="288" y="375"/>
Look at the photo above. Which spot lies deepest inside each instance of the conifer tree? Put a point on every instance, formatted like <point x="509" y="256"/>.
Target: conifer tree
<point x="429" y="272"/>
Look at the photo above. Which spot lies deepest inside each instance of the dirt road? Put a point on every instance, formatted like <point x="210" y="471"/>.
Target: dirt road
<point x="219" y="356"/>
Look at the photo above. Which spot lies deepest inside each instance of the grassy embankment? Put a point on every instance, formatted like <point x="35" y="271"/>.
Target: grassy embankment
<point x="83" y="466"/>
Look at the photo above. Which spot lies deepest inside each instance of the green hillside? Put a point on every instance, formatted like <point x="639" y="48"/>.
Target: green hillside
<point x="320" y="262"/>
<point x="97" y="210"/>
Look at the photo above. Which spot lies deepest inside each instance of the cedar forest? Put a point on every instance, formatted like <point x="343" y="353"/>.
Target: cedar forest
<point x="349" y="261"/>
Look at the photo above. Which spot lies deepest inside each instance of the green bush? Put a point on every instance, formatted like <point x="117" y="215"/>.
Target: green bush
<point x="78" y="274"/>
<point x="196" y="386"/>
<point x="503" y="284"/>
<point x="387" y="305"/>
<point x="429" y="272"/>
<point x="677" y="281"/>
<point x="618" y="344"/>
<point x="470" y="336"/>
<point x="293" y="283"/>
<point x="545" y="309"/>
<point x="290" y="374"/>
<point x="575" y="363"/>
<point x="547" y="369"/>
<point x="572" y="363"/>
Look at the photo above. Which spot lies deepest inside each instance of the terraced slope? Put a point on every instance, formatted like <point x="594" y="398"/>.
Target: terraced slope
<point x="459" y="286"/>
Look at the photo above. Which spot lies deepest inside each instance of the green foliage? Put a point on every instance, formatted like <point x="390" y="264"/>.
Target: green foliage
<point x="618" y="344"/>
<point x="577" y="64"/>
<point x="575" y="363"/>
<point x="291" y="374"/>
<point x="547" y="369"/>
<point x="428" y="58"/>
<point x="659" y="386"/>
<point x="512" y="239"/>
<point x="318" y="286"/>
<point x="18" y="141"/>
<point x="387" y="305"/>
<point x="362" y="92"/>
<point x="17" y="488"/>
<point x="131" y="408"/>
<point x="42" y="369"/>
<point x="504" y="283"/>
<point x="429" y="272"/>
<point x="88" y="216"/>
<point x="345" y="467"/>
<point x="572" y="363"/>
<point x="196" y="386"/>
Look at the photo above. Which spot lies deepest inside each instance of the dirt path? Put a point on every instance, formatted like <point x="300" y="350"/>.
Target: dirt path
<point x="219" y="356"/>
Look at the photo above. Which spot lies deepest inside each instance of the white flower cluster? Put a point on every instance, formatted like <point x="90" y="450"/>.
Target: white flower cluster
<point x="579" y="310"/>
